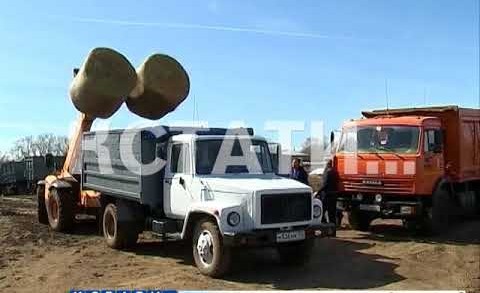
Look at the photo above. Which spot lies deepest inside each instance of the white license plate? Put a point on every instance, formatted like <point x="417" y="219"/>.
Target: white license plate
<point x="406" y="210"/>
<point x="288" y="236"/>
<point x="370" y="207"/>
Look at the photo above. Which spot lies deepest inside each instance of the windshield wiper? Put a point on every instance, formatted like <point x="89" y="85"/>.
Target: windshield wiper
<point x="376" y="153"/>
<point x="390" y="151"/>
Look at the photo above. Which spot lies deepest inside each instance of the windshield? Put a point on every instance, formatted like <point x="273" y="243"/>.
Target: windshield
<point x="256" y="161"/>
<point x="380" y="139"/>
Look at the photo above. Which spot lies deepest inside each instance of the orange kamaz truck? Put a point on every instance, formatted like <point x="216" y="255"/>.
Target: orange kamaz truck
<point x="421" y="165"/>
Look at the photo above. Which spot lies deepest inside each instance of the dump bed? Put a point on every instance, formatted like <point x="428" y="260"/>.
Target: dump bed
<point x="113" y="164"/>
<point x="462" y="136"/>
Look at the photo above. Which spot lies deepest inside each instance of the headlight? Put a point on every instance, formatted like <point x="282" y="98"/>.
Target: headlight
<point x="317" y="211"/>
<point x="378" y="198"/>
<point x="233" y="219"/>
<point x="359" y="197"/>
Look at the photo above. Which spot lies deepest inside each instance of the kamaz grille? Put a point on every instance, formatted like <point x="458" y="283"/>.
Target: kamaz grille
<point x="386" y="187"/>
<point x="285" y="208"/>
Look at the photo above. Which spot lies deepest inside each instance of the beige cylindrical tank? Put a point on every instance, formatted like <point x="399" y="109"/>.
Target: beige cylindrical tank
<point x="103" y="83"/>
<point x="162" y="85"/>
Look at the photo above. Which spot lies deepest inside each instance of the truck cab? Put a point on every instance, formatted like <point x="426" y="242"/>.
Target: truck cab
<point x="382" y="160"/>
<point x="197" y="178"/>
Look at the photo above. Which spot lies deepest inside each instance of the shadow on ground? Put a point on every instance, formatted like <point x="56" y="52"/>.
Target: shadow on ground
<point x="335" y="264"/>
<point x="462" y="232"/>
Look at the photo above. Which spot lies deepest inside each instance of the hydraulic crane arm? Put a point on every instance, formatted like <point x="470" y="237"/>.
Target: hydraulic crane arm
<point x="84" y="123"/>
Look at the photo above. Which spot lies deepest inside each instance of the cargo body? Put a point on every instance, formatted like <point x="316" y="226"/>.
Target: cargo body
<point x="12" y="178"/>
<point x="106" y="171"/>
<point x="420" y="165"/>
<point x="36" y="169"/>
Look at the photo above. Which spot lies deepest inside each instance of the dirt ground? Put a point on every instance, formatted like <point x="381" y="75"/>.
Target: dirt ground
<point x="34" y="259"/>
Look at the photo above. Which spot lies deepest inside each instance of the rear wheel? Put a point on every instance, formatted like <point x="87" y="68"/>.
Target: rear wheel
<point x="61" y="210"/>
<point x="211" y="257"/>
<point x="295" y="253"/>
<point x="118" y="235"/>
<point x="339" y="218"/>
<point x="41" y="206"/>
<point x="359" y="220"/>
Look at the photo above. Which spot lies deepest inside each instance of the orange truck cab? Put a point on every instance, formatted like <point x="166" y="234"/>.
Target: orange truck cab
<point x="421" y="165"/>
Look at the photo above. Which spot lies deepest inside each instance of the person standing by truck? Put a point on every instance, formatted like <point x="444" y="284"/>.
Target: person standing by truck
<point x="298" y="172"/>
<point x="329" y="190"/>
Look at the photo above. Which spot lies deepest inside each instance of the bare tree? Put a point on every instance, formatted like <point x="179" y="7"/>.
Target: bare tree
<point x="23" y="147"/>
<point x="318" y="144"/>
<point x="40" y="145"/>
<point x="306" y="146"/>
<point x="60" y="146"/>
<point x="3" y="157"/>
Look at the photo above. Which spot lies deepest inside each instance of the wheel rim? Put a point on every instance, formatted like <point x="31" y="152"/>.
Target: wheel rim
<point x="54" y="209"/>
<point x="205" y="247"/>
<point x="109" y="226"/>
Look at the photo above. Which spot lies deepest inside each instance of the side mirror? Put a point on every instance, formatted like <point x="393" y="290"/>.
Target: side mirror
<point x="437" y="149"/>
<point x="161" y="150"/>
<point x="332" y="137"/>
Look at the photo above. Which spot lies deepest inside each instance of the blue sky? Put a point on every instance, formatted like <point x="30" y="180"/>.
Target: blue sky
<point x="247" y="60"/>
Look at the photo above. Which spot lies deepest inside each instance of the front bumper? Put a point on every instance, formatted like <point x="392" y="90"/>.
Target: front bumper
<point x="267" y="237"/>
<point x="390" y="209"/>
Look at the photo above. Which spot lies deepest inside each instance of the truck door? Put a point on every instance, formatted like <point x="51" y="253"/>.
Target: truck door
<point x="177" y="193"/>
<point x="433" y="166"/>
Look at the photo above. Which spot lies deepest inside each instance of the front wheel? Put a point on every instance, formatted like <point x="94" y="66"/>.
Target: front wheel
<point x="359" y="220"/>
<point x="437" y="216"/>
<point x="296" y="253"/>
<point x="211" y="257"/>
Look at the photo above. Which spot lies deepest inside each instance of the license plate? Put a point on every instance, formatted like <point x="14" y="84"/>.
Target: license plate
<point x="370" y="207"/>
<point x="288" y="236"/>
<point x="406" y="210"/>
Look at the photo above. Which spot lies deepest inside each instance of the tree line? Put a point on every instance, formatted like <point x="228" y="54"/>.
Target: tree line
<point x="40" y="145"/>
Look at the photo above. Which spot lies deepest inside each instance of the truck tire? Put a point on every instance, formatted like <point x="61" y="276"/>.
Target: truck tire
<point x="41" y="207"/>
<point x="437" y="215"/>
<point x="478" y="200"/>
<point x="295" y="253"/>
<point x="211" y="257"/>
<point x="118" y="235"/>
<point x="339" y="218"/>
<point x="61" y="210"/>
<point x="359" y="220"/>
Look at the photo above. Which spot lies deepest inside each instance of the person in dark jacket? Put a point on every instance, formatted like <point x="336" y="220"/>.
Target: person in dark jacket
<point x="298" y="173"/>
<point x="329" y="190"/>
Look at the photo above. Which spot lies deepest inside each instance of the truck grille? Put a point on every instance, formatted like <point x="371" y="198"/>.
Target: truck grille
<point x="285" y="208"/>
<point x="386" y="186"/>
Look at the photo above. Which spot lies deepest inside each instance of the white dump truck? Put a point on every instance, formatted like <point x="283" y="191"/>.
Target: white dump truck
<point x="176" y="182"/>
